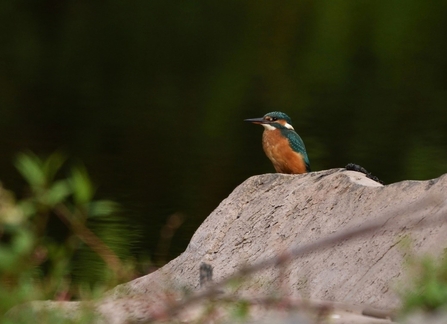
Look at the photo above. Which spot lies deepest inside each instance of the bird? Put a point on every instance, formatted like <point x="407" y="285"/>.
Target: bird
<point x="282" y="145"/>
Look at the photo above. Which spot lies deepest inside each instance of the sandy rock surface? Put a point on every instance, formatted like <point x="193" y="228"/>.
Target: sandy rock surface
<point x="270" y="213"/>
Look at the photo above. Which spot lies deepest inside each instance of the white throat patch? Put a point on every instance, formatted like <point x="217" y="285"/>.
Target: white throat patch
<point x="268" y="127"/>
<point x="288" y="126"/>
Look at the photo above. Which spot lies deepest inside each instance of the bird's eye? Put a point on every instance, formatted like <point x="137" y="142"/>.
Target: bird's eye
<point x="274" y="119"/>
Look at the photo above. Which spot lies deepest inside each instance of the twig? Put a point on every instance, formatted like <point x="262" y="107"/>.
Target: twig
<point x="90" y="239"/>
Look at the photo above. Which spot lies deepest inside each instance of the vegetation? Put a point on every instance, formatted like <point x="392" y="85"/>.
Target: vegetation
<point x="58" y="242"/>
<point x="428" y="291"/>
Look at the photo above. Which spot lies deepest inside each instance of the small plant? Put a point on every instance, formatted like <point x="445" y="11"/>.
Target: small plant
<point x="429" y="289"/>
<point x="58" y="242"/>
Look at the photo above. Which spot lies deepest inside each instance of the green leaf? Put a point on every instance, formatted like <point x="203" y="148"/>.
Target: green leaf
<point x="21" y="244"/>
<point x="52" y="165"/>
<point x="8" y="258"/>
<point x="102" y="208"/>
<point x="28" y="208"/>
<point x="30" y="168"/>
<point x="81" y="185"/>
<point x="241" y="309"/>
<point x="57" y="193"/>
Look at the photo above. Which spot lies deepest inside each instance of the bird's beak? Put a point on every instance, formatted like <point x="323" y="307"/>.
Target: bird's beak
<point x="256" y="120"/>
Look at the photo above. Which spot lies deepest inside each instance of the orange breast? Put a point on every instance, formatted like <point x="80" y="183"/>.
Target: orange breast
<point x="277" y="149"/>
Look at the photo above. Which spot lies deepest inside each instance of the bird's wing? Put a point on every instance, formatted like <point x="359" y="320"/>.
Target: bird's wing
<point x="297" y="145"/>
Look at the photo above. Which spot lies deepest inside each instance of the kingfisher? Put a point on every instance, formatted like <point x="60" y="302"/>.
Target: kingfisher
<point x="282" y="145"/>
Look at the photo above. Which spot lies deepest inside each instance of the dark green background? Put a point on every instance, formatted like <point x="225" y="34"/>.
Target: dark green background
<point x="151" y="95"/>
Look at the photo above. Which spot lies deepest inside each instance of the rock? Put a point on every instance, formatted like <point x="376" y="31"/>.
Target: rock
<point x="270" y="213"/>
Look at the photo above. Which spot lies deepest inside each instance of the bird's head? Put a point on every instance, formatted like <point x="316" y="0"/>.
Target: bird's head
<point x="273" y="120"/>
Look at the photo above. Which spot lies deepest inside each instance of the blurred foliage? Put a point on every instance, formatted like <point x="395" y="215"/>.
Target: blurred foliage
<point x="58" y="242"/>
<point x="151" y="94"/>
<point x="428" y="290"/>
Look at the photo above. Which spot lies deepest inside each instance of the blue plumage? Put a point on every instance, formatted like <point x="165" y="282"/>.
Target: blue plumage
<point x="297" y="144"/>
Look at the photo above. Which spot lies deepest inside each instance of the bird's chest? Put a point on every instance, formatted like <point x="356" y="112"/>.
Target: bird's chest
<point x="275" y="145"/>
<point x="278" y="150"/>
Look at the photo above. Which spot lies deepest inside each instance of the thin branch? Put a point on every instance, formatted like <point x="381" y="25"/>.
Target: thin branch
<point x="90" y="239"/>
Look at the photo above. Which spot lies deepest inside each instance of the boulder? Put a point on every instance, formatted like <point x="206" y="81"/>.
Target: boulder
<point x="272" y="213"/>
